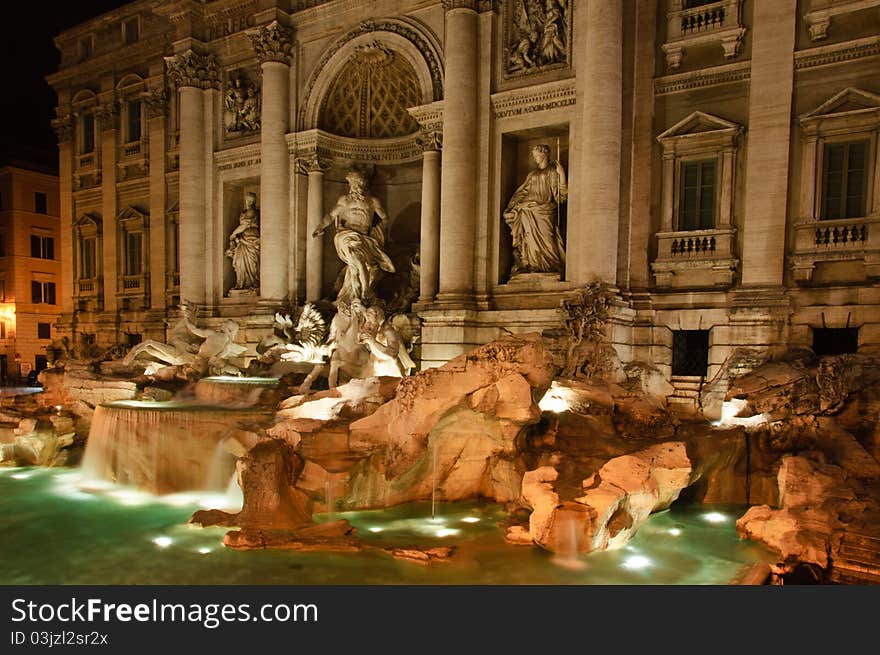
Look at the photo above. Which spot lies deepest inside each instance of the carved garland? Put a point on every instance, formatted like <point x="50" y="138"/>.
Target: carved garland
<point x="63" y="126"/>
<point x="156" y="103"/>
<point x="400" y="29"/>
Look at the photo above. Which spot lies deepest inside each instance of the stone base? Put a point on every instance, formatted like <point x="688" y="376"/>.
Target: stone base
<point x="238" y="293"/>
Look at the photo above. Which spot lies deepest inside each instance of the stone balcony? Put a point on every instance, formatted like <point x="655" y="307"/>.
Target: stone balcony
<point x="134" y="285"/>
<point x="820" y="243"/>
<point x="88" y="293"/>
<point x="697" y="259"/>
<point x="714" y="23"/>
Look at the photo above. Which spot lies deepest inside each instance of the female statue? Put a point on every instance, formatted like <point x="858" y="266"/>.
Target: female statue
<point x="532" y="215"/>
<point x="244" y="246"/>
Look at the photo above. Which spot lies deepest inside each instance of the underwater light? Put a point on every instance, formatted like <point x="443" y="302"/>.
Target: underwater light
<point x="20" y="476"/>
<point x="202" y="551"/>
<point x="375" y="529"/>
<point x="555" y="400"/>
<point x="446" y="532"/>
<point x="674" y="532"/>
<point x="163" y="542"/>
<point x="715" y="517"/>
<point x="636" y="563"/>
<point x="470" y="519"/>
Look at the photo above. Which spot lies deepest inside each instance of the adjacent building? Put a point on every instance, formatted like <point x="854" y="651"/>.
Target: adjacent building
<point x="721" y="161"/>
<point x="30" y="268"/>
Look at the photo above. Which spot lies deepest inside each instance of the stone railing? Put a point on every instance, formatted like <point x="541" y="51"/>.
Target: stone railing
<point x="821" y="12"/>
<point x="843" y="240"/>
<point x="87" y="287"/>
<point x="87" y="160"/>
<point x="717" y="22"/>
<point x="134" y="284"/>
<point x="695" y="259"/>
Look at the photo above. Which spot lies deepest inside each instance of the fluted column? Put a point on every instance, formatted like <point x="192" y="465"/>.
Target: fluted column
<point x="314" y="168"/>
<point x="106" y="115"/>
<point x="192" y="73"/>
<point x="459" y="163"/>
<point x="63" y="126"/>
<point x="429" y="248"/>
<point x="595" y="194"/>
<point x="272" y="44"/>
<point x="156" y="104"/>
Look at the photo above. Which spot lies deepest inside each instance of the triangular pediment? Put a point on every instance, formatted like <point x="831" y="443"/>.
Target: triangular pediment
<point x="698" y="123"/>
<point x="87" y="219"/>
<point x="132" y="213"/>
<point x="848" y="100"/>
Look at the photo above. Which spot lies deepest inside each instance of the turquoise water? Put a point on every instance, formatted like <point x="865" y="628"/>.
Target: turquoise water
<point x="54" y="533"/>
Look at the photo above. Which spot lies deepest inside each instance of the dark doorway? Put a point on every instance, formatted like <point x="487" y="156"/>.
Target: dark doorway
<point x="4" y="370"/>
<point x="40" y="362"/>
<point x="690" y="352"/>
<point x="835" y="341"/>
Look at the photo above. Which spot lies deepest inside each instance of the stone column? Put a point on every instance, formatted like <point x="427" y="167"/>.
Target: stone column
<point x="770" y="96"/>
<point x="808" y="177"/>
<point x="156" y="105"/>
<point x="459" y="164"/>
<point x="63" y="126"/>
<point x="594" y="216"/>
<point x="272" y="44"/>
<point x="429" y="248"/>
<point x="314" y="168"/>
<point x="105" y="118"/>
<point x="192" y="73"/>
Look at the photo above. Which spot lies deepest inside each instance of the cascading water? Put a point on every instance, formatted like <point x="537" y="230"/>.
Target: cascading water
<point x="233" y="392"/>
<point x="163" y="447"/>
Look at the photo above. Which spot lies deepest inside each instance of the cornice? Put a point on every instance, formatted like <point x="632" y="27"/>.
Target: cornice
<point x="541" y="97"/>
<point x="724" y="74"/>
<point x="837" y="53"/>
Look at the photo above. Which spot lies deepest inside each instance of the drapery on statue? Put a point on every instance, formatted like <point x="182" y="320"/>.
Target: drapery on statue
<point x="533" y="217"/>
<point x="244" y="246"/>
<point x="359" y="240"/>
<point x="197" y="351"/>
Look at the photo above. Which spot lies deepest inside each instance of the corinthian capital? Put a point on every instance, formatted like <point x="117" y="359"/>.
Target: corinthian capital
<point x="460" y="4"/>
<point x="192" y="69"/>
<point x="272" y="42"/>
<point x="105" y="115"/>
<point x="63" y="126"/>
<point x="311" y="164"/>
<point x="156" y="103"/>
<point x="430" y="140"/>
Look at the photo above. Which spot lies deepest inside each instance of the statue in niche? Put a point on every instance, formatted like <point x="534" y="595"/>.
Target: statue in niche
<point x="242" y="106"/>
<point x="538" y="35"/>
<point x="533" y="217"/>
<point x="244" y="246"/>
<point x="359" y="240"/>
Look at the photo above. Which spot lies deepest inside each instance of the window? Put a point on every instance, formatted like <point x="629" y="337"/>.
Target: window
<point x="2" y="245"/>
<point x="130" y="30"/>
<point x="44" y="331"/>
<point x="2" y="290"/>
<point x="2" y="329"/>
<point x="41" y="362"/>
<point x="42" y="293"/>
<point x="40" y="203"/>
<point x="690" y="352"/>
<point x="88" y="258"/>
<point x="85" y="47"/>
<point x="697" y="200"/>
<point x="133" y="253"/>
<point x="844" y="187"/>
<point x="42" y="247"/>
<point x="87" y="133"/>
<point x="133" y="121"/>
<point x="132" y="339"/>
<point x="835" y="341"/>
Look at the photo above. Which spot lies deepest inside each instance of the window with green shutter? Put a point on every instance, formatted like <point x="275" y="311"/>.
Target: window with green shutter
<point x="697" y="199"/>
<point x="844" y="181"/>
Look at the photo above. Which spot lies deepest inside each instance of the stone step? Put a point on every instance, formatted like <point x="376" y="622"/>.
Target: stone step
<point x="867" y="556"/>
<point x="848" y="573"/>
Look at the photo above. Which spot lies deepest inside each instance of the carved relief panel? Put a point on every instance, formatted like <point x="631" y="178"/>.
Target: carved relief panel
<point x="537" y="36"/>
<point x="241" y="104"/>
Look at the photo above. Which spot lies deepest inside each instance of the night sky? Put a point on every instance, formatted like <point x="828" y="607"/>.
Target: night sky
<point x="28" y="104"/>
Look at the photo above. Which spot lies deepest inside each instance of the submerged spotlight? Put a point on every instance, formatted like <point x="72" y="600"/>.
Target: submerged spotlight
<point x="674" y="532"/>
<point x="636" y="563"/>
<point x="470" y="519"/>
<point x="446" y="532"/>
<point x="163" y="542"/>
<point x="715" y="517"/>
<point x="375" y="529"/>
<point x="203" y="551"/>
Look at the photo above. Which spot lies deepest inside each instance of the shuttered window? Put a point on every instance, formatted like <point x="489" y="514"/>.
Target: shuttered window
<point x="844" y="183"/>
<point x="697" y="199"/>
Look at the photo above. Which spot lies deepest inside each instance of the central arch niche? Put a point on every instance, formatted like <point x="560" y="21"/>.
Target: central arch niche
<point x="369" y="97"/>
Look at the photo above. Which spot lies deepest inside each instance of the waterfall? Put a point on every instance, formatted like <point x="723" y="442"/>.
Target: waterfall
<point x="163" y="447"/>
<point x="231" y="392"/>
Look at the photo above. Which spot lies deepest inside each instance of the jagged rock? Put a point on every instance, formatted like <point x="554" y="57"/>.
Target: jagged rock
<point x="423" y="555"/>
<point x="538" y="494"/>
<point x="649" y="380"/>
<point x="741" y="362"/>
<point x="519" y="535"/>
<point x="802" y="534"/>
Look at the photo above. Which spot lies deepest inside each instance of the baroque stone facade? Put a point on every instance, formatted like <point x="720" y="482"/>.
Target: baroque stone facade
<point x="721" y="161"/>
